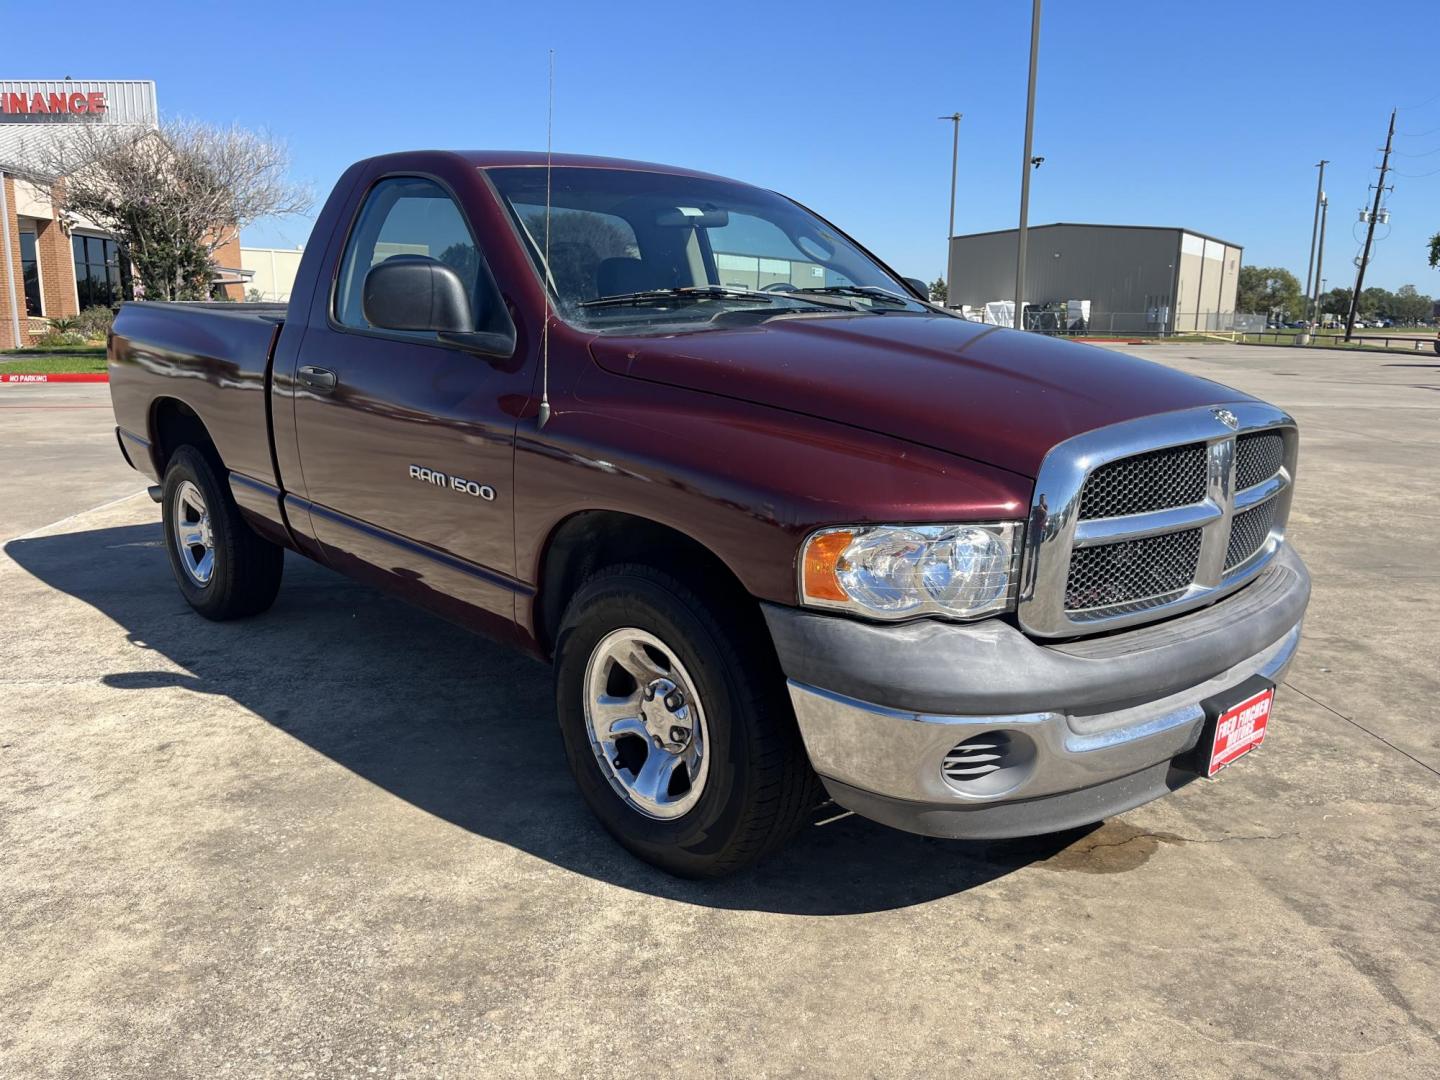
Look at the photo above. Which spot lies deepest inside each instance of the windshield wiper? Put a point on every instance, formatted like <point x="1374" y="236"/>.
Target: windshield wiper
<point x="866" y="292"/>
<point x="695" y="293"/>
<point x="682" y="293"/>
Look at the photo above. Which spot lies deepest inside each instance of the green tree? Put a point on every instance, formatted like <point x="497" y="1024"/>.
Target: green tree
<point x="939" y="291"/>
<point x="1376" y="303"/>
<point x="1435" y="252"/>
<point x="1336" y="302"/>
<point x="1411" y="305"/>
<point x="1269" y="290"/>
<point x="170" y="264"/>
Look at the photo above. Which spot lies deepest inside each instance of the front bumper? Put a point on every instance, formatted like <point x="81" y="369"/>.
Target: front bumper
<point x="1091" y="727"/>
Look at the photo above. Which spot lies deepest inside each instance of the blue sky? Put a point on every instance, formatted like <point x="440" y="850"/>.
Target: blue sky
<point x="1206" y="116"/>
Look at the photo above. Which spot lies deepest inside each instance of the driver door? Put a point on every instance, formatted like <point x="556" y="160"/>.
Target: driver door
<point x="406" y="443"/>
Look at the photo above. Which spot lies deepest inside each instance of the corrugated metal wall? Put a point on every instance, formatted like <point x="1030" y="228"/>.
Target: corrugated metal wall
<point x="1128" y="273"/>
<point x="128" y="102"/>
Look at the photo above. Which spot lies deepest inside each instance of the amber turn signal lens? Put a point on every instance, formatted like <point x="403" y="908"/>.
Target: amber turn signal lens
<point x="821" y="555"/>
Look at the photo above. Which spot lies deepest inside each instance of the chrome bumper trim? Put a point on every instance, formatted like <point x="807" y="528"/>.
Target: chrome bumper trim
<point x="898" y="754"/>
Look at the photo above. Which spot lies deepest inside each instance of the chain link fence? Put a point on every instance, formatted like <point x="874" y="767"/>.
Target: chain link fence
<point x="1079" y="319"/>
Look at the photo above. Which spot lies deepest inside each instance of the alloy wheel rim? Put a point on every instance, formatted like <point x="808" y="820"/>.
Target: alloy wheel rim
<point x="646" y="724"/>
<point x="194" y="539"/>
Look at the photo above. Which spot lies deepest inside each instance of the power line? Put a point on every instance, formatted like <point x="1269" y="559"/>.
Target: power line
<point x="1408" y="108"/>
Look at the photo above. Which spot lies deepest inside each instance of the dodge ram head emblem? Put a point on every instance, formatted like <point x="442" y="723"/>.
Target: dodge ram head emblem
<point x="1226" y="417"/>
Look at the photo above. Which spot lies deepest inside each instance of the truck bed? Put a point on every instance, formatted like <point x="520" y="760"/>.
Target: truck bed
<point x="195" y="356"/>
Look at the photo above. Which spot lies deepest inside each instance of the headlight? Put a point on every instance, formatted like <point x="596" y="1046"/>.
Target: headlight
<point x="900" y="571"/>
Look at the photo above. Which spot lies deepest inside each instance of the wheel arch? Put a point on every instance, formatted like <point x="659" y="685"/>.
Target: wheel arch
<point x="588" y="541"/>
<point x="174" y="424"/>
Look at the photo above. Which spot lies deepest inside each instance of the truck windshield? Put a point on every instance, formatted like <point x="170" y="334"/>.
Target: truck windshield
<point x="630" y="247"/>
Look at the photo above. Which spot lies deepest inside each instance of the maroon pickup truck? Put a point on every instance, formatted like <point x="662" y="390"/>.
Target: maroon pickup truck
<point x="785" y="529"/>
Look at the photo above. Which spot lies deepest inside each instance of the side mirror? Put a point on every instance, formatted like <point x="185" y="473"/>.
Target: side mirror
<point x="418" y="293"/>
<point x="921" y="289"/>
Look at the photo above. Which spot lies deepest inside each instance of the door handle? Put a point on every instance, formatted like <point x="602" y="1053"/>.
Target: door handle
<point x="318" y="378"/>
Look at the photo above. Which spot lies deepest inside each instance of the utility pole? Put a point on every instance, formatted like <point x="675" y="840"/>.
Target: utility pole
<point x="1315" y="224"/>
<point x="954" y="118"/>
<point x="1369" y="232"/>
<point x="1320" y="257"/>
<point x="1025" y="166"/>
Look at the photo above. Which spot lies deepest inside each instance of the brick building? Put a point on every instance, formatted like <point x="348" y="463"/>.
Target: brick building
<point x="50" y="268"/>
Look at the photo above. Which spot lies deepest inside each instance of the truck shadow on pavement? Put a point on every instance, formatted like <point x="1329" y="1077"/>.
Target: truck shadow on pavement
<point x="463" y="729"/>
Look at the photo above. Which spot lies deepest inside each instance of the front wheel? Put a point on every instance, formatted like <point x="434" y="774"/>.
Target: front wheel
<point x="677" y="726"/>
<point x="223" y="567"/>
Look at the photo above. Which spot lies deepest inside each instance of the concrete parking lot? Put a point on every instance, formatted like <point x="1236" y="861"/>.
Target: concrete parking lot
<point x="340" y="839"/>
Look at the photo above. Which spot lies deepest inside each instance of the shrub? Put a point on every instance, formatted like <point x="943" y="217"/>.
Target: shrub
<point x="94" y="322"/>
<point x="62" y="326"/>
<point x="60" y="337"/>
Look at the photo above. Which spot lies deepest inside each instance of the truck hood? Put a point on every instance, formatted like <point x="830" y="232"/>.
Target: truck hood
<point x="998" y="396"/>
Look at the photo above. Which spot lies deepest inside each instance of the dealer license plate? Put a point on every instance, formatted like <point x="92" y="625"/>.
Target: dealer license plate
<point x="1235" y="726"/>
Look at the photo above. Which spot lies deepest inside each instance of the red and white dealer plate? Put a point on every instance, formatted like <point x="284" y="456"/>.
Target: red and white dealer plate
<point x="1240" y="729"/>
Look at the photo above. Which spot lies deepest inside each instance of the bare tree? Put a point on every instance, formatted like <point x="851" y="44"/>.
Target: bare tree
<point x="171" y="196"/>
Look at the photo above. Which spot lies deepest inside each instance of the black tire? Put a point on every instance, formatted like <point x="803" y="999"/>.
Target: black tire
<point x="247" y="568"/>
<point x="760" y="787"/>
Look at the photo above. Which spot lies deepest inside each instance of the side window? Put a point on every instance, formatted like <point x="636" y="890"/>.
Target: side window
<point x="408" y="216"/>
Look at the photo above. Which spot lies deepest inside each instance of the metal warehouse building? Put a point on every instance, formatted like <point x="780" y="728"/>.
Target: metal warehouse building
<point x="1138" y="278"/>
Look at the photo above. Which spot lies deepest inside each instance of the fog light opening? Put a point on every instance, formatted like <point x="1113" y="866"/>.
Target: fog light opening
<point x="989" y="764"/>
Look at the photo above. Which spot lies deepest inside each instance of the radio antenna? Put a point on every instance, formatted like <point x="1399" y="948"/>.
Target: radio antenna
<point x="545" y="326"/>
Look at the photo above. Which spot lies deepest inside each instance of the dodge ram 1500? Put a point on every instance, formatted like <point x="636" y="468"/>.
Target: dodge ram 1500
<point x="784" y="528"/>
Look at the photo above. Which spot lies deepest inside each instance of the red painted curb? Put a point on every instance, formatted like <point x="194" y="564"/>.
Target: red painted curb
<point x="59" y="376"/>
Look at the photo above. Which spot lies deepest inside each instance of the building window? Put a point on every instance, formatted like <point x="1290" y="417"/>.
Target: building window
<point x="30" y="270"/>
<point x="97" y="271"/>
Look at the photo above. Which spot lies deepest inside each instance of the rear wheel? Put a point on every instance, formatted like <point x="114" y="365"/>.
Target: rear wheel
<point x="223" y="567"/>
<point x="677" y="725"/>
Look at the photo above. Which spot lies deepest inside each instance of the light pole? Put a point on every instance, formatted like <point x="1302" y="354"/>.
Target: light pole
<point x="1315" y="225"/>
<point x="1026" y="165"/>
<point x="1320" y="256"/>
<point x="954" y="118"/>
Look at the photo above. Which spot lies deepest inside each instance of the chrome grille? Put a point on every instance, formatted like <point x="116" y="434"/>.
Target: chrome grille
<point x="1258" y="458"/>
<point x="1158" y="480"/>
<point x="1154" y="516"/>
<point x="1248" y="532"/>
<point x="1132" y="572"/>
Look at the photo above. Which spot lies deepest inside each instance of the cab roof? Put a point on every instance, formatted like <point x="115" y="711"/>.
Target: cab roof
<point x="503" y="159"/>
